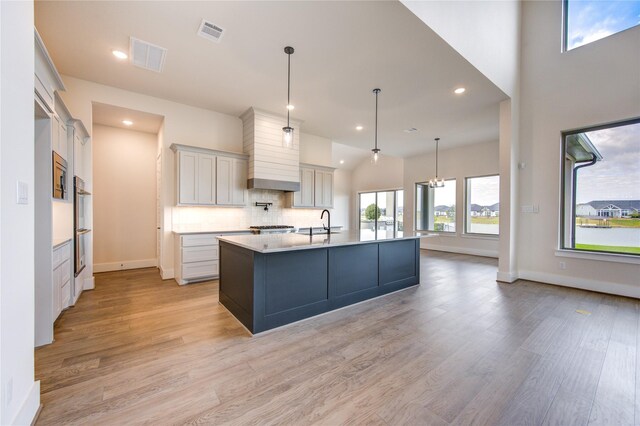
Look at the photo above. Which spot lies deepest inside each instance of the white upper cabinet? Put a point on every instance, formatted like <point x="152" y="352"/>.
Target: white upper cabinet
<point x="209" y="178"/>
<point x="316" y="188"/>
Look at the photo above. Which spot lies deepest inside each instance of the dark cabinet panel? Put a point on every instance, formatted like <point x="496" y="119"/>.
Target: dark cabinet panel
<point x="353" y="269"/>
<point x="397" y="261"/>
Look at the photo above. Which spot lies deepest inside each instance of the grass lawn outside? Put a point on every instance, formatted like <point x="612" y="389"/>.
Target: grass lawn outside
<point x="486" y="220"/>
<point x="613" y="249"/>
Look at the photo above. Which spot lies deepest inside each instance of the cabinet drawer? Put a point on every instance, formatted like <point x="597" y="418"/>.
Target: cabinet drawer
<point x="199" y="254"/>
<point x="65" y="271"/>
<point x="199" y="240"/>
<point x="200" y="270"/>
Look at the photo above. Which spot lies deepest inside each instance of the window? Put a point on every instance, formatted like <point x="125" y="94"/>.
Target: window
<point x="436" y="207"/>
<point x="590" y="20"/>
<point x="381" y="214"/>
<point x="600" y="191"/>
<point x="482" y="215"/>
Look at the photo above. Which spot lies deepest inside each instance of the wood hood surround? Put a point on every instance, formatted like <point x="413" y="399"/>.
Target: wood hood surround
<point x="271" y="166"/>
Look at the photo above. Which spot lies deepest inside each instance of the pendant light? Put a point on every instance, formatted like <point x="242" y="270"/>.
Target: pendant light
<point x="375" y="152"/>
<point x="287" y="132"/>
<point x="435" y="183"/>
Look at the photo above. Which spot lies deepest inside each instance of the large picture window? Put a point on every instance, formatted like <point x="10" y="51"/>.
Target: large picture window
<point x="381" y="214"/>
<point x="589" y="20"/>
<point x="436" y="207"/>
<point x="601" y="190"/>
<point x="482" y="215"/>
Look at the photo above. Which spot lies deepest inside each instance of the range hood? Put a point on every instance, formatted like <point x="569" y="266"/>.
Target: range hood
<point x="271" y="166"/>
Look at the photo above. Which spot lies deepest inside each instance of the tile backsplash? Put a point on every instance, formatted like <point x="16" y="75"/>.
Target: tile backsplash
<point x="243" y="217"/>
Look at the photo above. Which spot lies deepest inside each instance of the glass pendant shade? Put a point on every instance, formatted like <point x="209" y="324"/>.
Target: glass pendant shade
<point x="375" y="156"/>
<point x="435" y="182"/>
<point x="287" y="137"/>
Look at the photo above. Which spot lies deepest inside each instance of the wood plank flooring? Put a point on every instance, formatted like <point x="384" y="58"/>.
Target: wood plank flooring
<point x="458" y="349"/>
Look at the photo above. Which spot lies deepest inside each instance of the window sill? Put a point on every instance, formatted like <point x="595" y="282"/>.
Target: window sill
<point x="438" y="234"/>
<point x="481" y="236"/>
<point x="604" y="257"/>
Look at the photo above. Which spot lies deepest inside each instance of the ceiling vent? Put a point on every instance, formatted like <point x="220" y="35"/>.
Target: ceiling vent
<point x="210" y="31"/>
<point x="146" y="55"/>
<point x="410" y="130"/>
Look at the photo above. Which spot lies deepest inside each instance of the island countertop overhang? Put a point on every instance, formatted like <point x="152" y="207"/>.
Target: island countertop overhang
<point x="292" y="242"/>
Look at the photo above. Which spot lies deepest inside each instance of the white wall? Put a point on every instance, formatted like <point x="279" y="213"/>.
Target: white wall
<point x="19" y="393"/>
<point x="459" y="163"/>
<point x="124" y="198"/>
<point x="315" y="150"/>
<point x="486" y="33"/>
<point x="387" y="174"/>
<point x="593" y="84"/>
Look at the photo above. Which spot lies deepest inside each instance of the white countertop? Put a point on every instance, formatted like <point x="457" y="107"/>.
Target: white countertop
<point x="57" y="242"/>
<point x="270" y="243"/>
<point x="199" y="229"/>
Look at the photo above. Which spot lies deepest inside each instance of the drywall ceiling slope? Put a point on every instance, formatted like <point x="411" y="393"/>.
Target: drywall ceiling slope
<point x="343" y="51"/>
<point x="486" y="33"/>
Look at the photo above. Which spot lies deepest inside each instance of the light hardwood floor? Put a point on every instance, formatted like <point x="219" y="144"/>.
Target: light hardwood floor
<point x="458" y="349"/>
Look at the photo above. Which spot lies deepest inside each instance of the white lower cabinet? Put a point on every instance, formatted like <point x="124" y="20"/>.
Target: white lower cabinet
<point x="61" y="278"/>
<point x="197" y="256"/>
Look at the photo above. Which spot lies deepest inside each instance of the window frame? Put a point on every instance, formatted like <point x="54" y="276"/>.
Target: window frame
<point x="467" y="205"/>
<point x="395" y="210"/>
<point x="562" y="245"/>
<point x="415" y="207"/>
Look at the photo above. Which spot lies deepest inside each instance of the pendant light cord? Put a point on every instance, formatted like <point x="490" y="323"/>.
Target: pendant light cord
<point x="376" y="139"/>
<point x="288" y="86"/>
<point x="437" y="142"/>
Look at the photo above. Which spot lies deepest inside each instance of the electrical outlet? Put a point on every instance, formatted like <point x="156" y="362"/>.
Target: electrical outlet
<point x="563" y="265"/>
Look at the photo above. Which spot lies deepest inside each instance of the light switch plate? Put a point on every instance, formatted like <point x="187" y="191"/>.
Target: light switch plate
<point x="22" y="193"/>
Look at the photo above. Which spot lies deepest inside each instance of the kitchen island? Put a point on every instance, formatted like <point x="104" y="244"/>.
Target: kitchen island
<point x="267" y="281"/>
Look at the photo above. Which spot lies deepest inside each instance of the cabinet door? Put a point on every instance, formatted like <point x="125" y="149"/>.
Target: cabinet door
<point x="187" y="177"/>
<point x="239" y="186"/>
<point x="307" y="189"/>
<point x="206" y="179"/>
<point x="225" y="180"/>
<point x="324" y="189"/>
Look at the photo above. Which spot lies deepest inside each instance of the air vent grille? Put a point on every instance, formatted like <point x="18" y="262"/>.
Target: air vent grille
<point x="146" y="55"/>
<point x="210" y="31"/>
<point x="410" y="130"/>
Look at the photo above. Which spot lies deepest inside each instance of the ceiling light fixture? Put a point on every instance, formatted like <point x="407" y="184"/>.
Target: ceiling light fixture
<point x="459" y="90"/>
<point x="287" y="132"/>
<point x="119" y="54"/>
<point x="290" y="107"/>
<point x="127" y="122"/>
<point x="435" y="183"/>
<point x="341" y="161"/>
<point x="375" y="151"/>
<point x="358" y="128"/>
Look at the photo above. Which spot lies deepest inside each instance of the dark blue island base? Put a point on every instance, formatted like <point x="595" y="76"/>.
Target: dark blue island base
<point x="268" y="290"/>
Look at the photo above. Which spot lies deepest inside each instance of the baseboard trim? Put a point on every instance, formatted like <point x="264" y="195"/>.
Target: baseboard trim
<point x="89" y="283"/>
<point x="582" y="283"/>
<point x="124" y="265"/>
<point x="27" y="412"/>
<point x="166" y="274"/>
<point x="462" y="250"/>
<point x="506" y="277"/>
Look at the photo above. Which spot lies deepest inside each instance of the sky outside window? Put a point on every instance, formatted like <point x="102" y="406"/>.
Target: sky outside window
<point x="588" y="21"/>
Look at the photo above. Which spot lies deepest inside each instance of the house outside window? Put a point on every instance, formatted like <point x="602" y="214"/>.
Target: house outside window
<point x="482" y="205"/>
<point x="436" y="207"/>
<point x="600" y="190"/>
<point x="586" y="21"/>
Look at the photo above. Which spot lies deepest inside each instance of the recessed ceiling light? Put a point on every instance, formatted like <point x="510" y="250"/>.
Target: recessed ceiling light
<point x="358" y="128"/>
<point x="341" y="161"/>
<point x="290" y="107"/>
<point x="459" y="90"/>
<point x="119" y="54"/>
<point x="127" y="122"/>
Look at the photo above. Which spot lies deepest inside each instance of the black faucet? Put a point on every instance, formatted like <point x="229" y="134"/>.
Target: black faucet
<point x="328" y="227"/>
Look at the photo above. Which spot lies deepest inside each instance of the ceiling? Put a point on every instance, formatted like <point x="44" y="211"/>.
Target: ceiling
<point x="109" y="115"/>
<point x="343" y="51"/>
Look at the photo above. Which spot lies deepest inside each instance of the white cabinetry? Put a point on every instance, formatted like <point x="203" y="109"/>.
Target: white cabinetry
<point x="210" y="178"/>
<point x="61" y="278"/>
<point x="197" y="257"/>
<point x="316" y="188"/>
